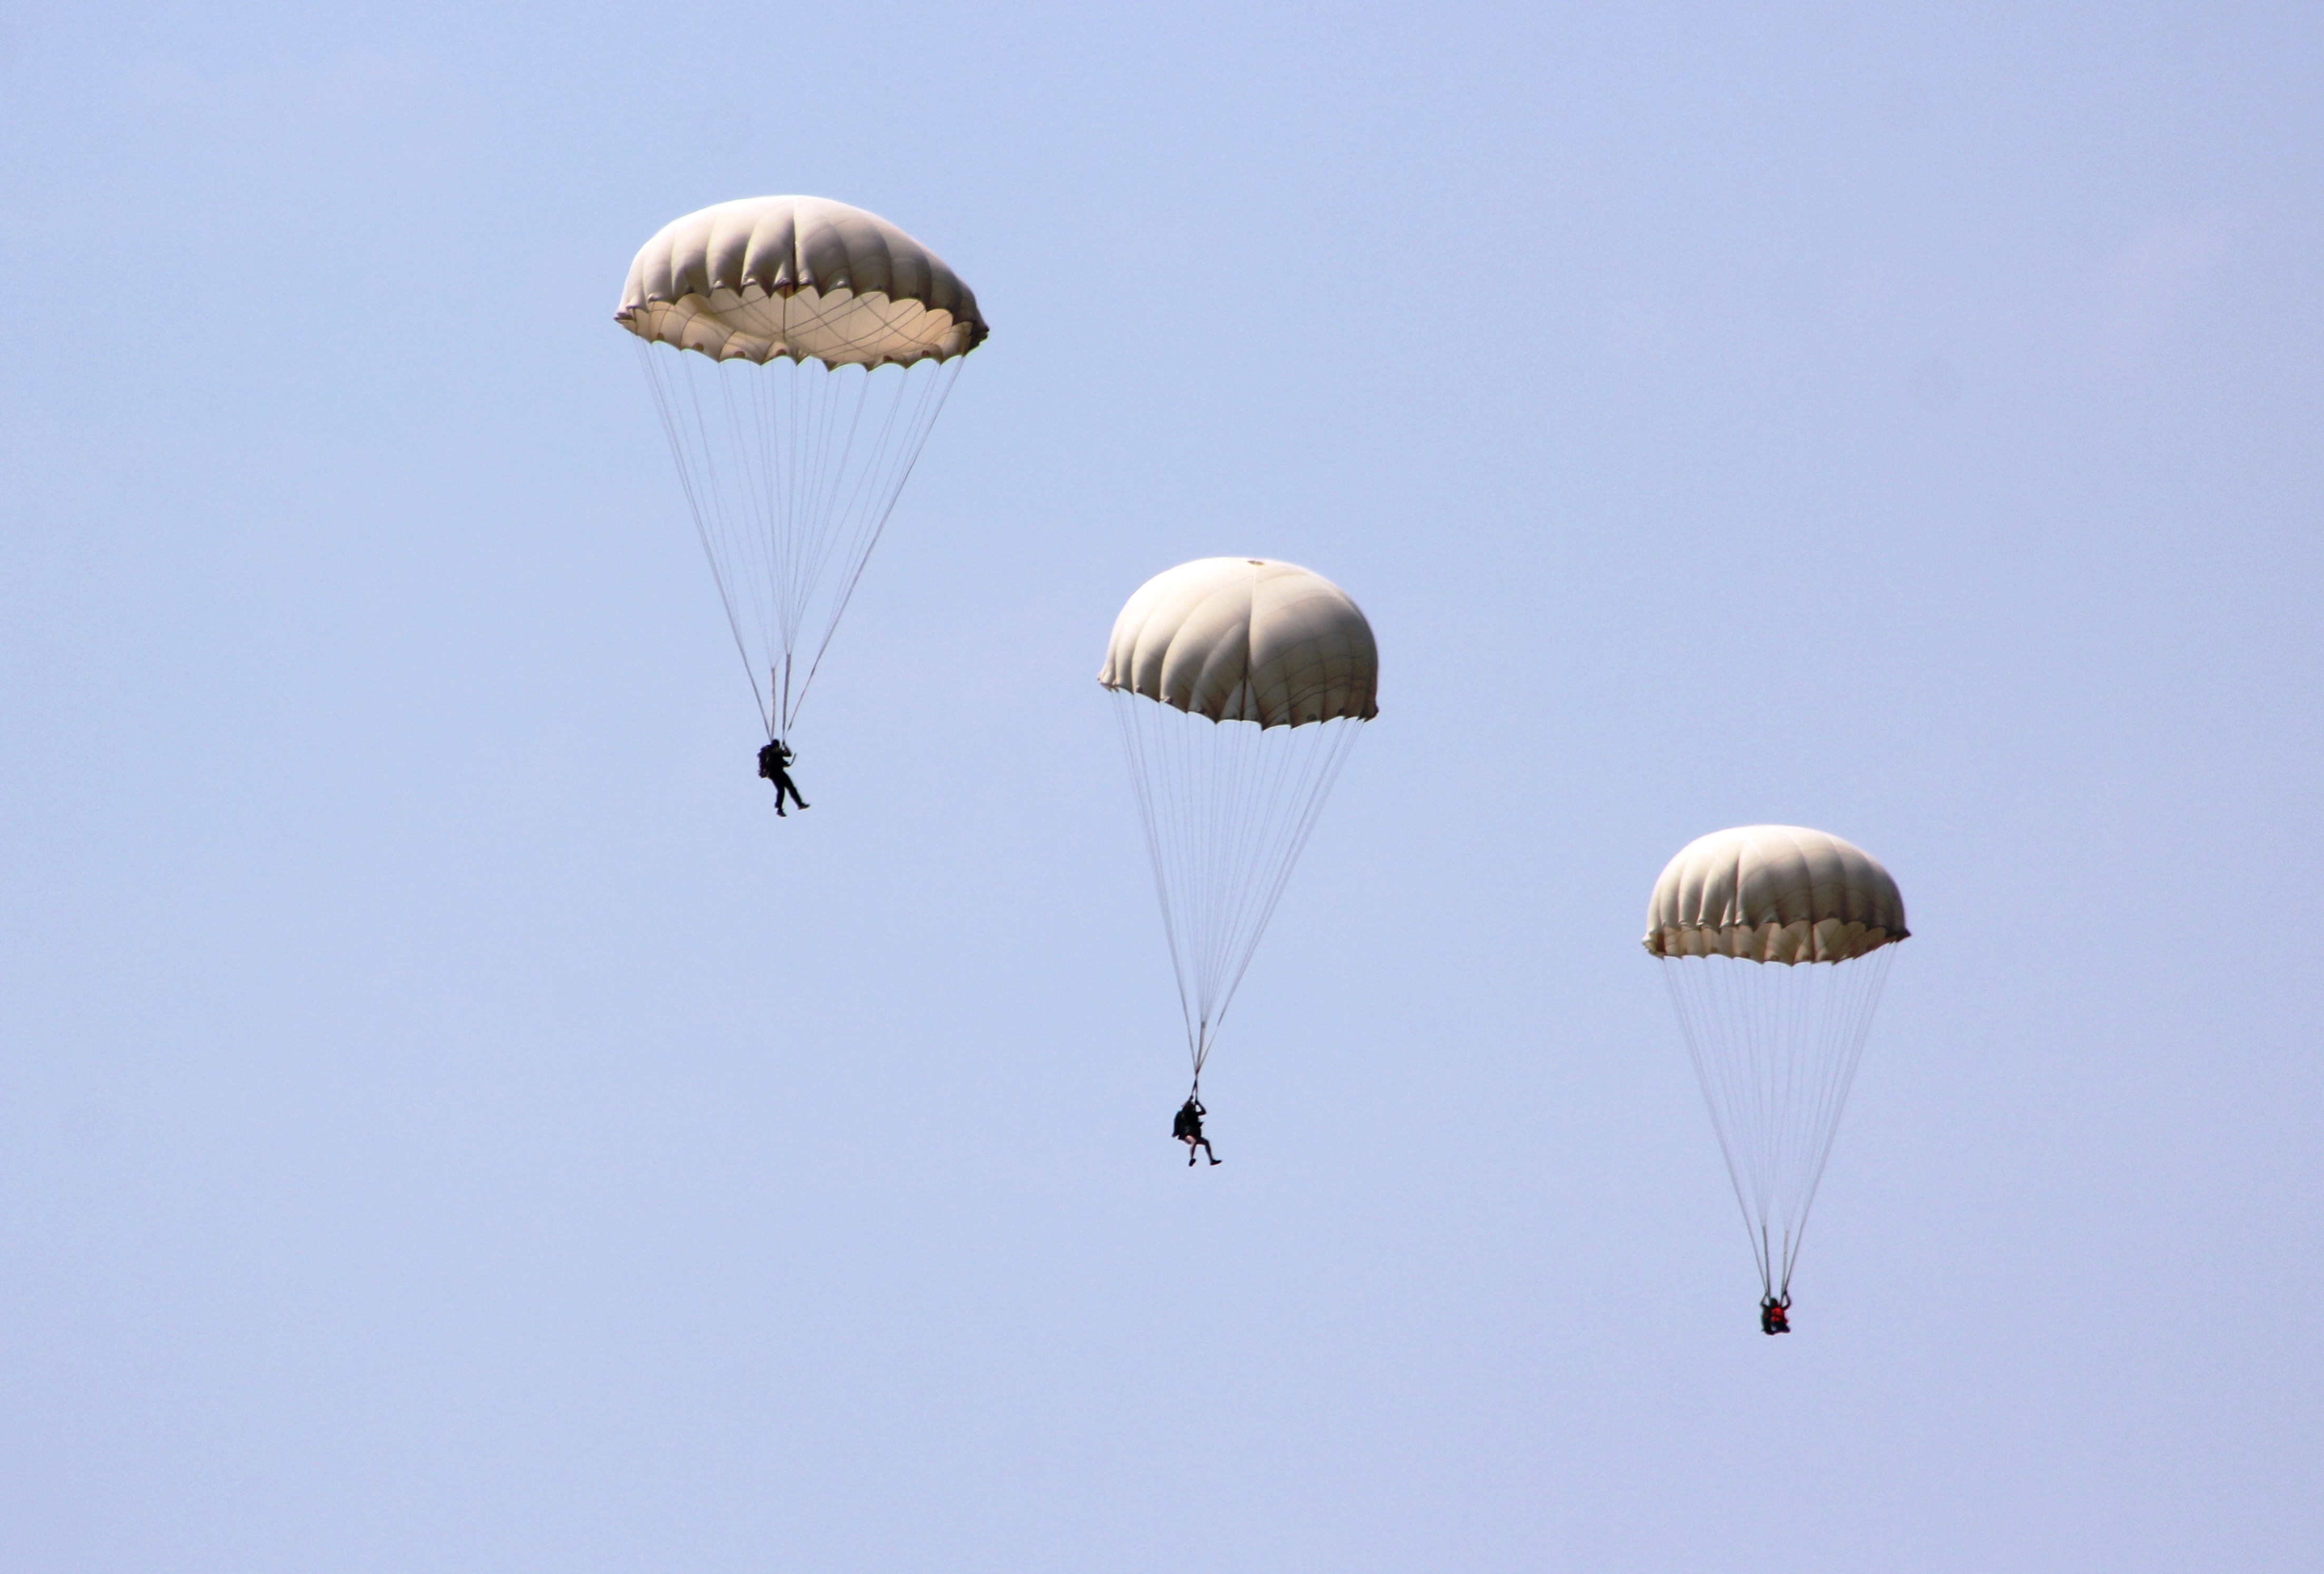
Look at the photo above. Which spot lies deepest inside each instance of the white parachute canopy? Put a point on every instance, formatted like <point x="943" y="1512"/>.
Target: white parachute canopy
<point x="799" y="351"/>
<point x="1774" y="942"/>
<point x="1239" y="684"/>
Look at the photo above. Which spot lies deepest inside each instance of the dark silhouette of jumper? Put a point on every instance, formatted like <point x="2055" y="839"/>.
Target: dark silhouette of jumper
<point x="774" y="761"/>
<point x="1186" y="1126"/>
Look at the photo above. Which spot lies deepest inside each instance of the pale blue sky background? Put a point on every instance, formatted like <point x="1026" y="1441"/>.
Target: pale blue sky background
<point x="447" y="1122"/>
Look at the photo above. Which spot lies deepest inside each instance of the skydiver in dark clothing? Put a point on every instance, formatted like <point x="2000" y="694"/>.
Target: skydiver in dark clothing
<point x="1186" y="1126"/>
<point x="773" y="759"/>
<point x="1774" y="1315"/>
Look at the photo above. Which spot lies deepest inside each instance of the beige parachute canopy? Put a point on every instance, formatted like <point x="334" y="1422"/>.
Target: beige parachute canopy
<point x="1246" y="640"/>
<point x="1773" y="893"/>
<point x="801" y="277"/>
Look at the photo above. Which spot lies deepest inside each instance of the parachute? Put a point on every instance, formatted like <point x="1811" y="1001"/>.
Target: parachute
<point x="1239" y="684"/>
<point x="799" y="351"/>
<point x="1775" y="942"/>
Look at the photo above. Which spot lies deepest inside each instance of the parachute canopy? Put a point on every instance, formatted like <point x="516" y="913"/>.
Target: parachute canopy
<point x="801" y="277"/>
<point x="1246" y="640"/>
<point x="1773" y="893"/>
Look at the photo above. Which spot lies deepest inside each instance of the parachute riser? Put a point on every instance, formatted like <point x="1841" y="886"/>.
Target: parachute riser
<point x="779" y="689"/>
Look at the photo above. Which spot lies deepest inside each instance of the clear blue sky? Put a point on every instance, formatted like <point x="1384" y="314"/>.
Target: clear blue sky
<point x="447" y="1122"/>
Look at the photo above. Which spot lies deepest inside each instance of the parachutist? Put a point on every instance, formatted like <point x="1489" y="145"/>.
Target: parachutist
<point x="773" y="762"/>
<point x="1774" y="940"/>
<point x="1186" y="1126"/>
<point x="1273" y="672"/>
